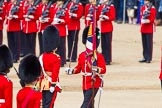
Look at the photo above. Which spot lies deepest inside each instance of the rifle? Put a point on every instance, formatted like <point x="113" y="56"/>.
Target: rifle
<point x="147" y="12"/>
<point x="107" y="8"/>
<point x="91" y="9"/>
<point x="15" y="8"/>
<point x="74" y="7"/>
<point x="33" y="7"/>
<point x="61" y="12"/>
<point x="45" y="13"/>
<point x="1" y="8"/>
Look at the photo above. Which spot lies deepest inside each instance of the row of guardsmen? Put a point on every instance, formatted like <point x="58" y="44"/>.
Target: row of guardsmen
<point x="24" y="19"/>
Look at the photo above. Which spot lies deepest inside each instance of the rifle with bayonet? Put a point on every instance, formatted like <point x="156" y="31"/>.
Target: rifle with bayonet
<point x="15" y="8"/>
<point x="147" y="12"/>
<point x="45" y="13"/>
<point x="61" y="12"/>
<point x="107" y="8"/>
<point x="74" y="7"/>
<point x="1" y="6"/>
<point x="32" y="9"/>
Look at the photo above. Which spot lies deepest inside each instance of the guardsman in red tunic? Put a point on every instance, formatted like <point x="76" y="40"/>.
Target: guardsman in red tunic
<point x="84" y="67"/>
<point x="2" y="18"/>
<point x="22" y="34"/>
<point x="29" y="72"/>
<point x="6" y="86"/>
<point x="75" y="10"/>
<point x="148" y="14"/>
<point x="60" y="21"/>
<point x="88" y="13"/>
<point x="161" y="69"/>
<point x="107" y="15"/>
<point x="13" y="27"/>
<point x="50" y="62"/>
<point x="45" y="19"/>
<point x="30" y="27"/>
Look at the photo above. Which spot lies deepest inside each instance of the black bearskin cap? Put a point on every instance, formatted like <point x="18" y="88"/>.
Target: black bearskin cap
<point x="85" y="34"/>
<point x="51" y="38"/>
<point x="5" y="58"/>
<point x="29" y="69"/>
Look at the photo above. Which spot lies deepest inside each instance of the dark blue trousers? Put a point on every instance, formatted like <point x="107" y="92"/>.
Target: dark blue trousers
<point x="73" y="34"/>
<point x="14" y="43"/>
<point x="87" y="102"/>
<point x="47" y="98"/>
<point x="62" y="49"/>
<point x="1" y="37"/>
<point x="22" y="43"/>
<point x="40" y="38"/>
<point x="106" y="46"/>
<point x="30" y="43"/>
<point x="147" y="43"/>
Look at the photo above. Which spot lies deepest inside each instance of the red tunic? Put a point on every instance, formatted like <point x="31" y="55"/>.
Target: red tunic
<point x="87" y="22"/>
<point x="6" y="89"/>
<point x="149" y="27"/>
<point x="28" y="98"/>
<point x="30" y="26"/>
<point x="51" y="63"/>
<point x="14" y="24"/>
<point x="74" y="22"/>
<point x="62" y="26"/>
<point x="87" y="81"/>
<point x="42" y="26"/>
<point x="2" y="15"/>
<point x="106" y="25"/>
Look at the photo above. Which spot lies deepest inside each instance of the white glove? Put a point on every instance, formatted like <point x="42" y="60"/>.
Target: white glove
<point x="88" y="18"/>
<point x="73" y="15"/>
<point x="52" y="89"/>
<point x="27" y="19"/>
<point x="58" y="21"/>
<point x="69" y="71"/>
<point x="89" y="15"/>
<point x="10" y="17"/>
<point x="15" y="16"/>
<point x="0" y="18"/>
<point x="145" y="21"/>
<point x="95" y="69"/>
<point x="135" y="7"/>
<point x="30" y="16"/>
<point x="104" y="17"/>
<point x="43" y="20"/>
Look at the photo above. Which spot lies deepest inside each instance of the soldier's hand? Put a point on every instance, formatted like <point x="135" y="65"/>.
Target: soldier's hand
<point x="69" y="71"/>
<point x="15" y="16"/>
<point x="52" y="88"/>
<point x="145" y="21"/>
<point x="27" y="19"/>
<point x="58" y="20"/>
<point x="73" y="15"/>
<point x="10" y="17"/>
<point x="0" y="18"/>
<point x="41" y="20"/>
<point x="30" y="16"/>
<point x="95" y="69"/>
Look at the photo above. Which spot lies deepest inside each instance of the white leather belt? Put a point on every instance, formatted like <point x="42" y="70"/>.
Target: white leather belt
<point x="2" y="101"/>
